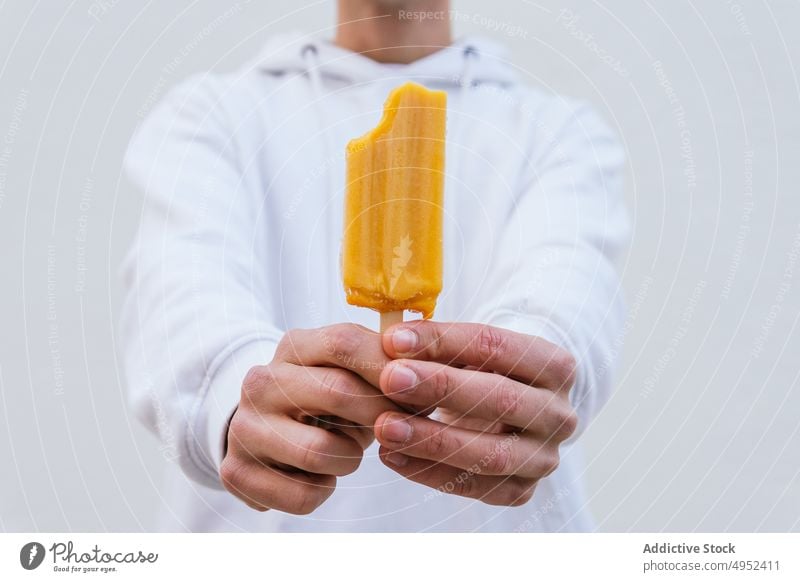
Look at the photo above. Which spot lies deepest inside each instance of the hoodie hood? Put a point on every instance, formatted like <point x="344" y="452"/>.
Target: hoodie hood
<point x="468" y="61"/>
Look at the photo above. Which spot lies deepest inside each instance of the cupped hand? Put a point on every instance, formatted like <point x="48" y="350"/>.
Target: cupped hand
<point x="503" y="408"/>
<point x="278" y="456"/>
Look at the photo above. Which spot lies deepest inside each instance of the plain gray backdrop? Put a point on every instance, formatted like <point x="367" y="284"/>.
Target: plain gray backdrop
<point x="702" y="432"/>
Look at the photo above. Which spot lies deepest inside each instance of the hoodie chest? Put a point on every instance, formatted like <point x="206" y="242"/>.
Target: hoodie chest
<point x="304" y="157"/>
<point x="306" y="135"/>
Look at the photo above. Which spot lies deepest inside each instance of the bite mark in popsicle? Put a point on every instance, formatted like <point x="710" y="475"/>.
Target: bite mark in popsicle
<point x="392" y="248"/>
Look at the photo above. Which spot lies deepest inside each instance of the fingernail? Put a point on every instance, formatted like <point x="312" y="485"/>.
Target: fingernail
<point x="396" y="429"/>
<point x="404" y="340"/>
<point x="401" y="379"/>
<point x="397" y="459"/>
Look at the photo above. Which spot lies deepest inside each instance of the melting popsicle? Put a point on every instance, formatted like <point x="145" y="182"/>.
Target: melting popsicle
<point x="392" y="249"/>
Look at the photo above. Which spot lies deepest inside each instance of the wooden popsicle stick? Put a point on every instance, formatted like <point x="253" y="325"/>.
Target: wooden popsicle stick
<point x="390" y="318"/>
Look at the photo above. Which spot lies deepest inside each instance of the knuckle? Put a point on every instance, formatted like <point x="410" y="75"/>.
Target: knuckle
<point x="338" y="388"/>
<point x="314" y="455"/>
<point x="519" y="494"/>
<point x="256" y="379"/>
<point x="432" y="342"/>
<point x="302" y="504"/>
<point x="437" y="444"/>
<point x="507" y="401"/>
<point x="571" y="423"/>
<point x="551" y="464"/>
<point x="490" y="343"/>
<point x="546" y="463"/>
<point x="344" y="339"/>
<point x="306" y="500"/>
<point x="237" y="429"/>
<point x="231" y="473"/>
<point x="441" y="386"/>
<point x="566" y="422"/>
<point x="288" y="342"/>
<point x="564" y="368"/>
<point x="311" y="459"/>
<point x="499" y="462"/>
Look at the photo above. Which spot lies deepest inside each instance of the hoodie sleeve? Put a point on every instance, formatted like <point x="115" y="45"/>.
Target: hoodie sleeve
<point x="194" y="319"/>
<point x="568" y="226"/>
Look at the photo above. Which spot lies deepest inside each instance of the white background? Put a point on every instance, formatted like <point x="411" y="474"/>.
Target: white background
<point x="702" y="433"/>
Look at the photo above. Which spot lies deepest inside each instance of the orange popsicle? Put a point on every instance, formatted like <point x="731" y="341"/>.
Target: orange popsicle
<point x="392" y="248"/>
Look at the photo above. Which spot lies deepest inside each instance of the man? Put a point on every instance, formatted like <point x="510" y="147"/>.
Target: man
<point x="244" y="357"/>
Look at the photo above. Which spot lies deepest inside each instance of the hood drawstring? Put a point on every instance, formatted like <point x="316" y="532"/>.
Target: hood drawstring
<point x="310" y="55"/>
<point x="470" y="55"/>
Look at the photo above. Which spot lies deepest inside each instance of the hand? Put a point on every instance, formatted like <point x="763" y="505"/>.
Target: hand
<point x="277" y="458"/>
<point x="506" y="407"/>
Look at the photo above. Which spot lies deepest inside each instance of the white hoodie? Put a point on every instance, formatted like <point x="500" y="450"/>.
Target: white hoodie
<point x="243" y="178"/>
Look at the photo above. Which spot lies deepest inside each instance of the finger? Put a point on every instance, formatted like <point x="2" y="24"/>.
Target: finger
<point x="349" y="346"/>
<point x="363" y="435"/>
<point x="282" y="440"/>
<point x="485" y="395"/>
<point x="264" y="487"/>
<point x="532" y="359"/>
<point x="484" y="453"/>
<point x="332" y="391"/>
<point x="494" y="490"/>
